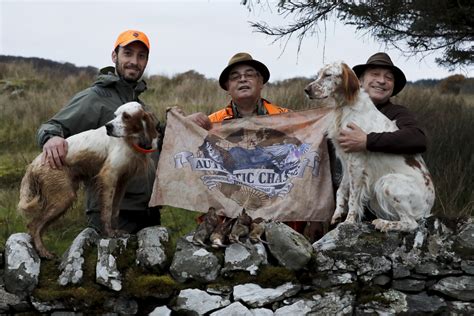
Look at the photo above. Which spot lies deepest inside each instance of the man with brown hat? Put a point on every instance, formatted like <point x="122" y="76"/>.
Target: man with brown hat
<point x="95" y="106"/>
<point x="243" y="79"/>
<point x="381" y="79"/>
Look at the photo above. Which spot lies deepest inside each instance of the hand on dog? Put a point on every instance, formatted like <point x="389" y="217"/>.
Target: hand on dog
<point x="352" y="139"/>
<point x="201" y="120"/>
<point x="54" y="152"/>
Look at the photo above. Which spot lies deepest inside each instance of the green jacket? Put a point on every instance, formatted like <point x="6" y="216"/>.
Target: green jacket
<point x="91" y="109"/>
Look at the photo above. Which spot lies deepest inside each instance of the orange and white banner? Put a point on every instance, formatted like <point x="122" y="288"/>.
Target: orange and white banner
<point x="276" y="167"/>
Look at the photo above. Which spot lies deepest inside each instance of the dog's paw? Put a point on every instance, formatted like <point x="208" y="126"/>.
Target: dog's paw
<point x="45" y="254"/>
<point x="336" y="218"/>
<point x="351" y="218"/>
<point x="381" y="224"/>
<point x="118" y="233"/>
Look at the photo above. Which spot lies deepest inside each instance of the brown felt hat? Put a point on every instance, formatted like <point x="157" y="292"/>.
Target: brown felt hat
<point x="243" y="58"/>
<point x="384" y="61"/>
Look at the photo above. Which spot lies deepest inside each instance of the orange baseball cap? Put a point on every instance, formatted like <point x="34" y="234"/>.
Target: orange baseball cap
<point x="130" y="36"/>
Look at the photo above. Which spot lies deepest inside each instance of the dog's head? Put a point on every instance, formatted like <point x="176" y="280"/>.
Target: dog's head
<point x="334" y="80"/>
<point x="136" y="125"/>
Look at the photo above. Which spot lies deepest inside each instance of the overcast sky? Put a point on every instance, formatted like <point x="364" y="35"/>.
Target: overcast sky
<point x="198" y="35"/>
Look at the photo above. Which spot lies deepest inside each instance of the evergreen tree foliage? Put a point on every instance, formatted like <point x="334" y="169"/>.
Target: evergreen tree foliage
<point x="412" y="26"/>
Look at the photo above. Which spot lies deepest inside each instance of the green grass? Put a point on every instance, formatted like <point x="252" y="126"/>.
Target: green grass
<point x="29" y="97"/>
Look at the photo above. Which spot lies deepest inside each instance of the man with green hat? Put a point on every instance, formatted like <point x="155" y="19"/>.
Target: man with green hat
<point x="381" y="79"/>
<point x="92" y="108"/>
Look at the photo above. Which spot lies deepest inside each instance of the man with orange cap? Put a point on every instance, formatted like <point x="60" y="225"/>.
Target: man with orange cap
<point x="95" y="106"/>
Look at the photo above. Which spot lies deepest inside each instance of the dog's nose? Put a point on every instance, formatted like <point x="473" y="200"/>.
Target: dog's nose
<point x="307" y="90"/>
<point x="109" y="128"/>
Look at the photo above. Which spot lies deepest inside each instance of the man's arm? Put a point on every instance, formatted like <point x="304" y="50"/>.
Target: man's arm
<point x="78" y="115"/>
<point x="409" y="139"/>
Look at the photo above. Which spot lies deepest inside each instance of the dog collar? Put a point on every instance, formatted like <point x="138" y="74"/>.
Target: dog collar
<point x="143" y="150"/>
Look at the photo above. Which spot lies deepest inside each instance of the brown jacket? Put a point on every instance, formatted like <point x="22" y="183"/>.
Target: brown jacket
<point x="409" y="139"/>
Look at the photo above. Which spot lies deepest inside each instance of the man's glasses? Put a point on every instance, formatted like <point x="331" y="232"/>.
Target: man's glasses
<point x="250" y="74"/>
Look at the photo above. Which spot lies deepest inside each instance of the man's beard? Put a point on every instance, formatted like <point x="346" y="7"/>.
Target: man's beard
<point x="119" y="69"/>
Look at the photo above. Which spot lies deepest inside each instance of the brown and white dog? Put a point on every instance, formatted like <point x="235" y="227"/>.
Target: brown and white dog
<point x="397" y="188"/>
<point x="105" y="158"/>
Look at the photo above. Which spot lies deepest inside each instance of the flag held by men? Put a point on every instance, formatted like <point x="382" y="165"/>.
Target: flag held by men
<point x="276" y="167"/>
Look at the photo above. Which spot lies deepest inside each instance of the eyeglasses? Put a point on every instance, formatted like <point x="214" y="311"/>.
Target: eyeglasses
<point x="250" y="74"/>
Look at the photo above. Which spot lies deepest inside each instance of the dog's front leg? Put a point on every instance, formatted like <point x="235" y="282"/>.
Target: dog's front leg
<point x="342" y="195"/>
<point x="108" y="185"/>
<point x="356" y="194"/>
<point x="119" y="193"/>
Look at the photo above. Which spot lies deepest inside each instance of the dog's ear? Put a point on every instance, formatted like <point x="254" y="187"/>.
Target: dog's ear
<point x="151" y="124"/>
<point x="350" y="83"/>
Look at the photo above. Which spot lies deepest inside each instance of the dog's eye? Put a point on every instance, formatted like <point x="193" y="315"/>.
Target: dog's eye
<point x="327" y="75"/>
<point x="126" y="116"/>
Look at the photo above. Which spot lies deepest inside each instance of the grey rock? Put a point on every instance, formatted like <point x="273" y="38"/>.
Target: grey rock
<point x="73" y="259"/>
<point x="467" y="266"/>
<point x="299" y="308"/>
<point x="460" y="308"/>
<point x="261" y="312"/>
<point x="22" y="265"/>
<point x="197" y="302"/>
<point x="464" y="242"/>
<point x="234" y="309"/>
<point x="436" y="269"/>
<point x="369" y="266"/>
<point x="423" y="303"/>
<point x="409" y="285"/>
<point x="400" y="271"/>
<point x="332" y="279"/>
<point x="44" y="307"/>
<point x="161" y="311"/>
<point x="460" y="288"/>
<point x="151" y="246"/>
<point x="193" y="262"/>
<point x="290" y="248"/>
<point x="390" y="302"/>
<point x="219" y="289"/>
<point x="256" y="296"/>
<point x="122" y="306"/>
<point x="382" y="280"/>
<point x="248" y="257"/>
<point x="358" y="238"/>
<point x="336" y="302"/>
<point x="106" y="271"/>
<point x="11" y="302"/>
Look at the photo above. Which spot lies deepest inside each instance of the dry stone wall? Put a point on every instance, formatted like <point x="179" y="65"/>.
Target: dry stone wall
<point x="352" y="270"/>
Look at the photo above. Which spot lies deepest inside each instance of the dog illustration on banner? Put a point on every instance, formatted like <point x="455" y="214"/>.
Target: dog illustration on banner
<point x="251" y="170"/>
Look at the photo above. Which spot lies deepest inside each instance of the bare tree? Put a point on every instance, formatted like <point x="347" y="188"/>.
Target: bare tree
<point x="412" y="26"/>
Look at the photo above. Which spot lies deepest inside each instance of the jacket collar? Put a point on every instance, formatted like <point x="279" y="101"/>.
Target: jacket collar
<point x="107" y="77"/>
<point x="261" y="110"/>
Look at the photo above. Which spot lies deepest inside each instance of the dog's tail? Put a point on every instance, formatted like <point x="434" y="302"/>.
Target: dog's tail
<point x="30" y="195"/>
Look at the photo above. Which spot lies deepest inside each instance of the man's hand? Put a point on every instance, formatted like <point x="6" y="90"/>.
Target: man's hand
<point x="201" y="120"/>
<point x="352" y="139"/>
<point x="54" y="152"/>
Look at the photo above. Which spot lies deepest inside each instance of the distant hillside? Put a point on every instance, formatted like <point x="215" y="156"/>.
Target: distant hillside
<point x="42" y="64"/>
<point x="429" y="83"/>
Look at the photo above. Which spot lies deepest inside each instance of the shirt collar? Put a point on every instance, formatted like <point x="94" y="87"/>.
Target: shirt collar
<point x="260" y="108"/>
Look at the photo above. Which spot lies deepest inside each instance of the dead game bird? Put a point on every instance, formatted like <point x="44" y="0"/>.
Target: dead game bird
<point x="257" y="228"/>
<point x="206" y="227"/>
<point x="219" y="236"/>
<point x="241" y="228"/>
